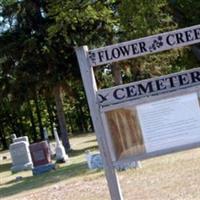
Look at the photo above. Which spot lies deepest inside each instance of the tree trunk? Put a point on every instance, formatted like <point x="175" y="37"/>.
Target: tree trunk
<point x="14" y="124"/>
<point x="89" y="119"/>
<point x="33" y="127"/>
<point x="116" y="72"/>
<point x="61" y="118"/>
<point x="39" y="116"/>
<point x="83" y="124"/>
<point x="21" y="125"/>
<point x="70" y="123"/>
<point x="51" y="116"/>
<point x="3" y="139"/>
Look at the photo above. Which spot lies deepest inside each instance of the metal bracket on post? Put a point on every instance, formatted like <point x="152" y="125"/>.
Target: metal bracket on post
<point x="90" y="86"/>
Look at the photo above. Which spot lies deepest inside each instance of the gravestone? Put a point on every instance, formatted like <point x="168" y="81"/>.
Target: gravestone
<point x="45" y="133"/>
<point x="20" y="155"/>
<point x="19" y="139"/>
<point x="61" y="156"/>
<point x="13" y="137"/>
<point x="41" y="158"/>
<point x="40" y="153"/>
<point x="94" y="161"/>
<point x="128" y="165"/>
<point x="52" y="149"/>
<point x="46" y="138"/>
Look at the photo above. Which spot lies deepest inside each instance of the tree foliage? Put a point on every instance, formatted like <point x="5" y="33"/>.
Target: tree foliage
<point x="38" y="62"/>
<point x="37" y="54"/>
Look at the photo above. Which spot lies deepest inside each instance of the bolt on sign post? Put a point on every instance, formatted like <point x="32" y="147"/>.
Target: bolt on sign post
<point x="147" y="118"/>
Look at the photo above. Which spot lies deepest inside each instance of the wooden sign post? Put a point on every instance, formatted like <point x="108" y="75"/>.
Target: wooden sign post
<point x="120" y="114"/>
<point x="91" y="92"/>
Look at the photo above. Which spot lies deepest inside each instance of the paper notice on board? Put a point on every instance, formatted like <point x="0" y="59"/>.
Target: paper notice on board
<point x="170" y="122"/>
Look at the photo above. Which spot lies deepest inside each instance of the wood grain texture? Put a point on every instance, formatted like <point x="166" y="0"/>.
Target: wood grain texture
<point x="125" y="132"/>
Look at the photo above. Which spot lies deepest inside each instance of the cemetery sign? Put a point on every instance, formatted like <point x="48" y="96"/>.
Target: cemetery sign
<point x="147" y="118"/>
<point x="149" y="87"/>
<point x="152" y="117"/>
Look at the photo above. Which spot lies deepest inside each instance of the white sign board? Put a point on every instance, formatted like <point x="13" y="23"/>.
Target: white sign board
<point x="143" y="46"/>
<point x="149" y="87"/>
<point x="137" y="132"/>
<point x="170" y="122"/>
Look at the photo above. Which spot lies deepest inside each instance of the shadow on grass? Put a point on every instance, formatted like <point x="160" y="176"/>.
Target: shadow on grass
<point x="5" y="167"/>
<point x="90" y="141"/>
<point x="76" y="152"/>
<point x="55" y="176"/>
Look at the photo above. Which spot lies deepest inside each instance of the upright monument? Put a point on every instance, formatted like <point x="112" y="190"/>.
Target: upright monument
<point x="61" y="156"/>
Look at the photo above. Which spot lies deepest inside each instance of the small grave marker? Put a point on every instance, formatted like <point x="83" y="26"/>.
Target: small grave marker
<point x="20" y="155"/>
<point x="41" y="158"/>
<point x="61" y="156"/>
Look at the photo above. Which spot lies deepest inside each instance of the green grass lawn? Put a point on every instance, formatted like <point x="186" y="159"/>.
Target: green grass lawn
<point x="75" y="167"/>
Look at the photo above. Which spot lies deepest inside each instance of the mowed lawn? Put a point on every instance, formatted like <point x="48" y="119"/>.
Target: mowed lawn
<point x="172" y="177"/>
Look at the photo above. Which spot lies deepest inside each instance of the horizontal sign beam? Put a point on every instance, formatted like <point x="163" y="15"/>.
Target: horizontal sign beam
<point x="146" y="45"/>
<point x="149" y="87"/>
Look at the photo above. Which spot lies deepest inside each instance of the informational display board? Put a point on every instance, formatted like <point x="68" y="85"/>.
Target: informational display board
<point x="170" y="122"/>
<point x="137" y="131"/>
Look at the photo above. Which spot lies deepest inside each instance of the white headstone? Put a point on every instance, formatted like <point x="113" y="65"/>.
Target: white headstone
<point x="21" y="157"/>
<point x="61" y="156"/>
<point x="94" y="161"/>
<point x="21" y="139"/>
<point x="129" y="165"/>
<point x="13" y="137"/>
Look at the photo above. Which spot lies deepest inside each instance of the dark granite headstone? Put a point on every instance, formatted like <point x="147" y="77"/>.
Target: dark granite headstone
<point x="40" y="153"/>
<point x="41" y="158"/>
